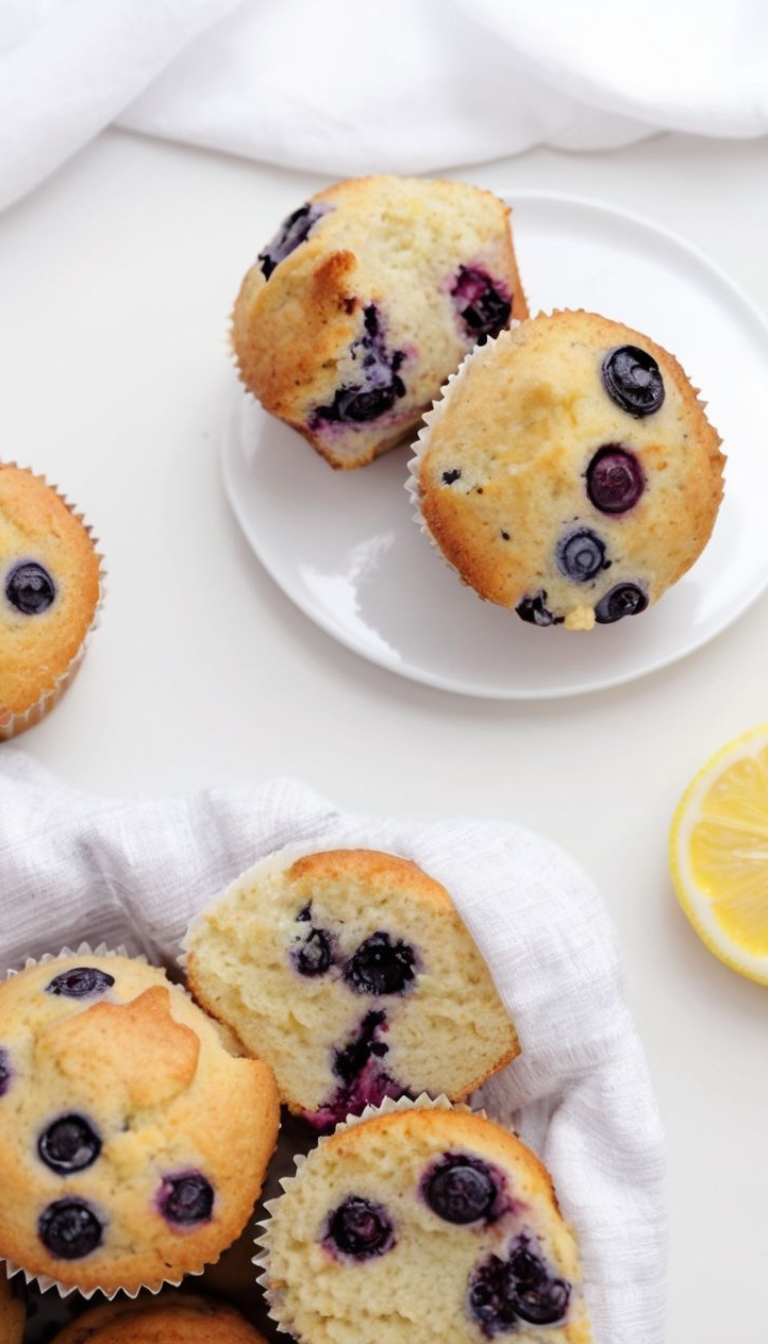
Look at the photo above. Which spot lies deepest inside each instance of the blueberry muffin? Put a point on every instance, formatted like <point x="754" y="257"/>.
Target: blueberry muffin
<point x="173" y="1319"/>
<point x="133" y="1141"/>
<point x="49" y="593"/>
<point x="423" y="1225"/>
<point x="351" y="973"/>
<point x="12" y="1311"/>
<point x="366" y="299"/>
<point x="569" y="472"/>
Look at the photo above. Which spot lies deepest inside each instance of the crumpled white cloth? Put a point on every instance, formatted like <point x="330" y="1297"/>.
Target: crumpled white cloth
<point x="74" y="867"/>
<point x="391" y="85"/>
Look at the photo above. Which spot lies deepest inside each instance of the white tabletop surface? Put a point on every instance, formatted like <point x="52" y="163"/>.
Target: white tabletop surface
<point x="116" y="278"/>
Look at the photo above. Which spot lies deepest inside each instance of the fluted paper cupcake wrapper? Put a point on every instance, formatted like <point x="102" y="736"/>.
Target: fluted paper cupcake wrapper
<point x="13" y="724"/>
<point x="44" y="1281"/>
<point x="387" y="1107"/>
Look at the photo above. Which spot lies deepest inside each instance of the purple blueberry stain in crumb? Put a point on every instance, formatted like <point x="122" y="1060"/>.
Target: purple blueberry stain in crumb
<point x="580" y="555"/>
<point x="483" y="304"/>
<point x="70" y="1229"/>
<point x="185" y="1199"/>
<point x="292" y="233"/>
<point x="359" y="1228"/>
<point x="81" y="982"/>
<point x="363" y="1079"/>
<point x="463" y="1189"/>
<point x="503" y="1292"/>
<point x="69" y="1144"/>
<point x="534" y="611"/>
<point x="6" y="1072"/>
<point x="625" y="599"/>
<point x="29" y="588"/>
<point x="379" y="385"/>
<point x="633" y="380"/>
<point x="450" y="476"/>
<point x="380" y="966"/>
<point x="615" y="480"/>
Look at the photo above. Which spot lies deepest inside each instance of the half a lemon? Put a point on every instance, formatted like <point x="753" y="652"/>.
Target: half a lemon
<point x="718" y="853"/>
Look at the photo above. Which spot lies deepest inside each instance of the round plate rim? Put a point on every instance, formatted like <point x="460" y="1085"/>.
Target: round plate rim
<point x="440" y="681"/>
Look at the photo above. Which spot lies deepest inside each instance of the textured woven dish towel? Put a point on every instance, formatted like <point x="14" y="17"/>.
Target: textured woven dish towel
<point x="391" y="85"/>
<point x="74" y="867"/>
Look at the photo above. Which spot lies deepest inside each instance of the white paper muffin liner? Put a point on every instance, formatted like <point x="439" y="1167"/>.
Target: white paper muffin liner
<point x="43" y="1281"/>
<point x="263" y="1242"/>
<point x="13" y="724"/>
<point x="477" y="355"/>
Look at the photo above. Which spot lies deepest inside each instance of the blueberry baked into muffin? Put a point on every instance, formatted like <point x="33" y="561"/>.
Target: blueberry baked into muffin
<point x="133" y="1142"/>
<point x="366" y="299"/>
<point x="569" y="472"/>
<point x="422" y="1225"/>
<point x="351" y="973"/>
<point x="177" y="1318"/>
<point x="12" y="1311"/>
<point x="49" y="593"/>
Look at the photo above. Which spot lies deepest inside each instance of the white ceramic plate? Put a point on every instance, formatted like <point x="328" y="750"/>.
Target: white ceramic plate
<point x="345" y="548"/>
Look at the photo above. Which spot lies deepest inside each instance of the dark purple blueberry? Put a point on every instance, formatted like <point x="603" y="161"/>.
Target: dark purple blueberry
<point x="360" y="1228"/>
<point x="314" y="955"/>
<point x="6" y="1073"/>
<point x="352" y="1059"/>
<point x="527" y="1268"/>
<point x="80" y="982"/>
<point x="492" y="1296"/>
<point x="69" y="1144"/>
<point x="626" y="599"/>
<point x="543" y="1305"/>
<point x="379" y="384"/>
<point x="534" y="612"/>
<point x="292" y="232"/>
<point x="69" y="1229"/>
<point x="30" y="588"/>
<point x="461" y="1189"/>
<point x="615" y="480"/>
<point x="305" y="914"/>
<point x="581" y="555"/>
<point x="364" y="1080"/>
<point x="450" y="476"/>
<point x="380" y="966"/>
<point x="482" y="303"/>
<point x="186" y="1198"/>
<point x="633" y="380"/>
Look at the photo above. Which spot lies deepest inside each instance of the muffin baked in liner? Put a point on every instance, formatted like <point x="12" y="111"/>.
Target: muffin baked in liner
<point x="574" y="1330"/>
<point x="45" y="1282"/>
<point x="182" y="1315"/>
<point x="13" y="723"/>
<point x="539" y="525"/>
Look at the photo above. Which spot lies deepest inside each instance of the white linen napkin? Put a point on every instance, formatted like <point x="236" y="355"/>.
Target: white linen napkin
<point x="392" y="85"/>
<point x="73" y="867"/>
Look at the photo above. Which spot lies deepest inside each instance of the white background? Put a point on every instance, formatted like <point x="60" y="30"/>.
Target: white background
<point x="116" y="279"/>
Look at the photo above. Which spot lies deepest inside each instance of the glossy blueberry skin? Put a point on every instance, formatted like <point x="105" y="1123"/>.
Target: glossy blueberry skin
<point x="314" y="957"/>
<point x="186" y="1199"/>
<point x="492" y="1296"/>
<point x="379" y="384"/>
<point x="6" y="1072"/>
<point x="544" y="1305"/>
<point x="292" y="233"/>
<point x="615" y="480"/>
<point x="360" y="1228"/>
<point x="533" y="611"/>
<point x="633" y="380"/>
<point x="581" y="555"/>
<point x="625" y="599"/>
<point x="69" y="1144"/>
<point x="461" y="1190"/>
<point x="482" y="303"/>
<point x="380" y="966"/>
<point x="29" y="588"/>
<point x="70" y="1229"/>
<point x="80" y="982"/>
